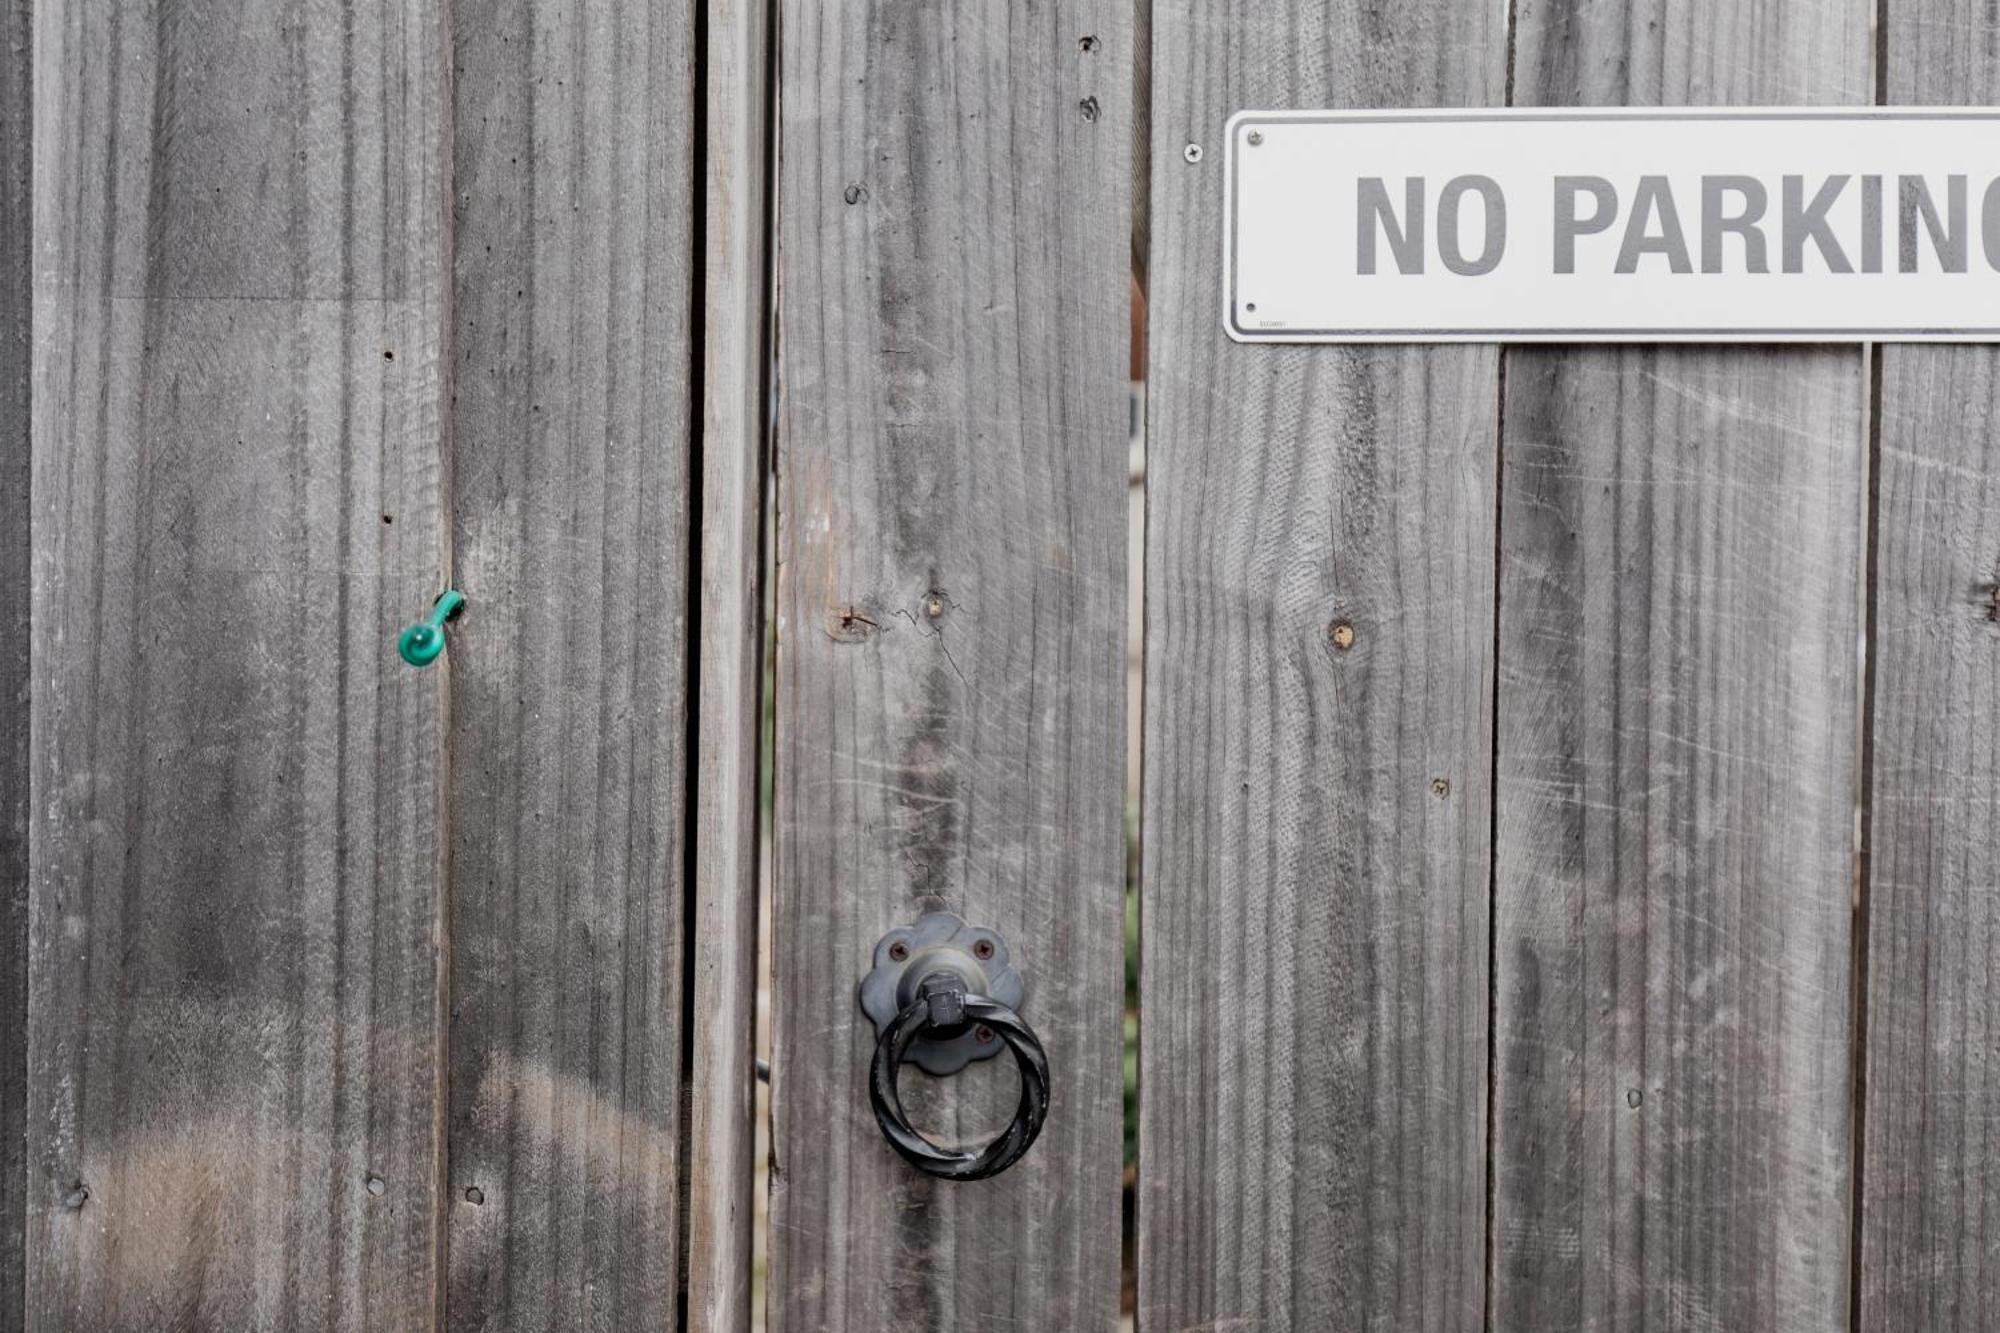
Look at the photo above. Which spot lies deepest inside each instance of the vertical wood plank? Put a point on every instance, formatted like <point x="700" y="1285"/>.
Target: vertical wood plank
<point x="1930" y="1170"/>
<point x="735" y="387"/>
<point x="1313" y="1015"/>
<point x="574" y="252"/>
<point x="234" y="910"/>
<point x="1678" y="754"/>
<point x="953" y="302"/>
<point x="1929" y="1178"/>
<point x="16" y="126"/>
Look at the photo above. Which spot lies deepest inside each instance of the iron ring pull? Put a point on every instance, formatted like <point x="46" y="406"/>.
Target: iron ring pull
<point x="943" y="1009"/>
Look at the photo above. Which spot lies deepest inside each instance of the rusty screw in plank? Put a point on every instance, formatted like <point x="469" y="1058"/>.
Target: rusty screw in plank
<point x="850" y="624"/>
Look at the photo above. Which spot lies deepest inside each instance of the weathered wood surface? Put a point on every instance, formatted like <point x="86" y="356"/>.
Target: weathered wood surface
<point x="572" y="490"/>
<point x="16" y="121"/>
<point x="1930" y="1170"/>
<point x="1680" y="561"/>
<point x="953" y="296"/>
<point x="1679" y="616"/>
<point x="1318" y="749"/>
<point x="234" y="912"/>
<point x="723" y="954"/>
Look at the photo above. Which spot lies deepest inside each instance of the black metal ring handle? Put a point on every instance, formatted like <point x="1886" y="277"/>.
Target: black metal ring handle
<point x="957" y="1163"/>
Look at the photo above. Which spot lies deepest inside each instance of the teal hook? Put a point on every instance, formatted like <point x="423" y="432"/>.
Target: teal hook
<point x="423" y="642"/>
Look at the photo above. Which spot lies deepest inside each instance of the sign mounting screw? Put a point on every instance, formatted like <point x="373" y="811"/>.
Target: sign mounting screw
<point x="1256" y="137"/>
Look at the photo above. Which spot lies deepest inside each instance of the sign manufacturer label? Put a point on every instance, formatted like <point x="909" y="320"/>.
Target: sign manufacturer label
<point x="1614" y="225"/>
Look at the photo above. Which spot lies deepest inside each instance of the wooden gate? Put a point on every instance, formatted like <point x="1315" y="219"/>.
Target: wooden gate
<point x="354" y="994"/>
<point x="1566" y="870"/>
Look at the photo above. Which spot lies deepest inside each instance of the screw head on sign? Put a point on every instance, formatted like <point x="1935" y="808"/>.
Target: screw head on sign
<point x="1192" y="152"/>
<point x="1256" y="137"/>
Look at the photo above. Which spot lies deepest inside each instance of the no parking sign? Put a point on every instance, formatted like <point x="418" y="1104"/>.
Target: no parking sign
<point x="1765" y="225"/>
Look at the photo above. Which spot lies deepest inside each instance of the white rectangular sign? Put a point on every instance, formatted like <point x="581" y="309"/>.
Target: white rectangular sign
<point x="1689" y="225"/>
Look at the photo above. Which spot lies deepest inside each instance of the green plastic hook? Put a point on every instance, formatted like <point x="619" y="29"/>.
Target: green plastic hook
<point x="423" y="642"/>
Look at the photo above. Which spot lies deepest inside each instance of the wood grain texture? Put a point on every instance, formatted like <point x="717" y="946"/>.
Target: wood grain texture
<point x="1930" y="1169"/>
<point x="735" y="385"/>
<point x="16" y="125"/>
<point x="573" y="300"/>
<point x="1678" y="759"/>
<point x="1678" y="702"/>
<point x="953" y="300"/>
<point x="1930" y="1179"/>
<point x="1313" y="1012"/>
<point x="234" y="916"/>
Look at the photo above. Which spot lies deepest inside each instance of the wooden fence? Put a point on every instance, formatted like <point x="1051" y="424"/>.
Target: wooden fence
<point x="1567" y="854"/>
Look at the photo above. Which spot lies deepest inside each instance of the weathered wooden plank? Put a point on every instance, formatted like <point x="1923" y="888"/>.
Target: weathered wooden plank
<point x="953" y="301"/>
<point x="16" y="124"/>
<point x="573" y="299"/>
<point x="735" y="388"/>
<point x="1930" y="1170"/>
<point x="234" y="911"/>
<point x="1929" y="1176"/>
<point x="1680" y="568"/>
<point x="1318" y="711"/>
<point x="1678" y="749"/>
